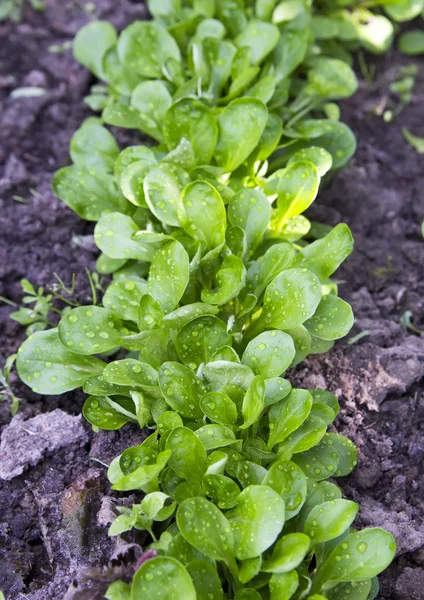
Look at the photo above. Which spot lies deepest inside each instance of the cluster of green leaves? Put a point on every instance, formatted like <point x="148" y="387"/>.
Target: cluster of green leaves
<point x="219" y="285"/>
<point x="12" y="9"/>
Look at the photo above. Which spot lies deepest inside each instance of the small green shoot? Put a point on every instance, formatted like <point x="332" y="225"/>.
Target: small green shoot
<point x="406" y="321"/>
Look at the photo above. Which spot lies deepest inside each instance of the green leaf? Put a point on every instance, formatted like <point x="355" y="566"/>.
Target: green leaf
<point x="113" y="235"/>
<point x="162" y="187"/>
<point x="355" y="590"/>
<point x="132" y="373"/>
<point x="411" y="43"/>
<point x="361" y="556"/>
<point x="206" y="580"/>
<point x="288" y="480"/>
<point x="256" y="521"/>
<point x="241" y="125"/>
<point x="91" y="43"/>
<point x="283" y="585"/>
<point x="269" y="354"/>
<point x="118" y="590"/>
<point x="181" y="389"/>
<point x="199" y="339"/>
<point x="346" y="451"/>
<point x="287" y="415"/>
<point x="263" y="270"/>
<point x="329" y="520"/>
<point x="90" y="193"/>
<point x="332" y="320"/>
<point x="253" y="402"/>
<point x="247" y="594"/>
<point x="375" y="33"/>
<point x="219" y="408"/>
<point x="290" y="299"/>
<point x="48" y="368"/>
<point x="276" y="389"/>
<point x="99" y="412"/>
<point x="169" y="275"/>
<point x="250" y="210"/>
<point x="204" y="526"/>
<point x="122" y="298"/>
<point x="158" y="578"/>
<point x="222" y="490"/>
<point x="289" y="52"/>
<point x="151" y="99"/>
<point x="143" y="478"/>
<point x="413" y="140"/>
<point x="318" y="463"/>
<point x="215" y="436"/>
<point x="331" y="78"/>
<point x="202" y="206"/>
<point x="334" y="136"/>
<point x="287" y="554"/>
<point x="191" y="119"/>
<point x="150" y="313"/>
<point x="324" y="256"/>
<point x="260" y="38"/>
<point x="93" y="147"/>
<point x="144" y="47"/>
<point x="230" y="280"/>
<point x="250" y="473"/>
<point x="188" y="458"/>
<point x="317" y="156"/>
<point x="223" y="373"/>
<point x="404" y="10"/>
<point x="89" y="330"/>
<point x="119" y="77"/>
<point x="133" y="154"/>
<point x="296" y="188"/>
<point x="181" y="316"/>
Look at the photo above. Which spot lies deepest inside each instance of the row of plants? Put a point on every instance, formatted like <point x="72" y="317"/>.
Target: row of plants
<point x="220" y="284"/>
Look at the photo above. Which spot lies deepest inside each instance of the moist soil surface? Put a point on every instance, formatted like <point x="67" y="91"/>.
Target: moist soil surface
<point x="55" y="504"/>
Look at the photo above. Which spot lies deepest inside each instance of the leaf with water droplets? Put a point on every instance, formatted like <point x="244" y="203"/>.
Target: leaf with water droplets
<point x="288" y="480"/>
<point x="162" y="187"/>
<point x="330" y="78"/>
<point x="89" y="330"/>
<point x="219" y="408"/>
<point x="221" y="373"/>
<point x="330" y="519"/>
<point x="287" y="415"/>
<point x="150" y="313"/>
<point x="188" y="458"/>
<point x="90" y="193"/>
<point x="260" y="37"/>
<point x="91" y="43"/>
<point x="118" y="590"/>
<point x="241" y="125"/>
<point x="335" y="137"/>
<point x="269" y="354"/>
<point x="151" y="99"/>
<point x="122" y="298"/>
<point x="202" y="206"/>
<point x="132" y="373"/>
<point x="352" y="590"/>
<point x="332" y="320"/>
<point x="287" y="554"/>
<point x="347" y="453"/>
<point x="120" y="79"/>
<point x="250" y="210"/>
<point x="230" y="280"/>
<point x="133" y="154"/>
<point x="144" y="46"/>
<point x="215" y="436"/>
<point x="113" y="235"/>
<point x="247" y="594"/>
<point x="205" y="527"/>
<point x="283" y="585"/>
<point x="93" y="147"/>
<point x="99" y="412"/>
<point x="199" y="339"/>
<point x="206" y="580"/>
<point x="296" y="188"/>
<point x="320" y="462"/>
<point x="250" y="473"/>
<point x="263" y="270"/>
<point x="182" y="389"/>
<point x="181" y="316"/>
<point x="257" y="520"/>
<point x="162" y="578"/>
<point x="290" y="299"/>
<point x="169" y="275"/>
<point x="276" y="389"/>
<point x="222" y="490"/>
<point x="360" y="556"/>
<point x="47" y="367"/>
<point x="253" y="402"/>
<point x="325" y="255"/>
<point x="190" y="118"/>
<point x="143" y="477"/>
<point x="319" y="157"/>
<point x="325" y="397"/>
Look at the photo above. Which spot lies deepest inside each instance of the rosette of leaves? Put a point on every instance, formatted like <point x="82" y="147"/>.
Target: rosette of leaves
<point x="215" y="54"/>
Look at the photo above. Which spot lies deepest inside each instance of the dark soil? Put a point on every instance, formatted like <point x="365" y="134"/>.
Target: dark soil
<point x="55" y="513"/>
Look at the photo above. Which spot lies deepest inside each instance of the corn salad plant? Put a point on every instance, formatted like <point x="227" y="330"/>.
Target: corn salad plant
<point x="220" y="284"/>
